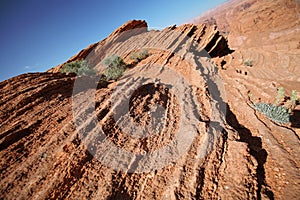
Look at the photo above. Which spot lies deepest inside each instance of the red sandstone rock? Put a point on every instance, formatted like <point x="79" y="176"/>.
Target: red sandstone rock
<point x="44" y="155"/>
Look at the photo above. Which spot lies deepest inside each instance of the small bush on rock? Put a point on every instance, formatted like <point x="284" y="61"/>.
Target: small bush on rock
<point x="138" y="56"/>
<point x="248" y="63"/>
<point x="113" y="61"/>
<point x="79" y="67"/>
<point x="115" y="67"/>
<point x="113" y="73"/>
<point x="278" y="114"/>
<point x="280" y="95"/>
<point x="294" y="100"/>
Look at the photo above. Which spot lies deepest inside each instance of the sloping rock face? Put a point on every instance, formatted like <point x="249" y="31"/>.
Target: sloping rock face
<point x="162" y="131"/>
<point x="266" y="32"/>
<point x="138" y="25"/>
<point x="208" y="37"/>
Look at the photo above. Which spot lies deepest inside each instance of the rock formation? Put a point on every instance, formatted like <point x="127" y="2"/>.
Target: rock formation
<point x="267" y="33"/>
<point x="207" y="142"/>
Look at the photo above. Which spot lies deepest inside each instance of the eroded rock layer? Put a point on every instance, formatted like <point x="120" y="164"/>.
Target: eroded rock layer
<point x="51" y="147"/>
<point x="266" y="33"/>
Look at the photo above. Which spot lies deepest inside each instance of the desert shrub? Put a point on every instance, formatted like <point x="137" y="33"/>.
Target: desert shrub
<point x="248" y="63"/>
<point x="113" y="73"/>
<point x="280" y="95"/>
<point x="113" y="61"/>
<point x="140" y="55"/>
<point x="115" y="67"/>
<point x="79" y="67"/>
<point x="278" y="114"/>
<point x="294" y="100"/>
<point x="294" y="97"/>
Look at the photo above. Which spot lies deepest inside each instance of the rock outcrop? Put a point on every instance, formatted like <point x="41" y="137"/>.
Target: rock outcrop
<point x="130" y="25"/>
<point x="138" y="25"/>
<point x="267" y="34"/>
<point x="208" y="38"/>
<point x="196" y="145"/>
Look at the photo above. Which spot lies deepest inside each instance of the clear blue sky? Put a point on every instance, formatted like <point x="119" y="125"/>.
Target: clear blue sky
<point x="39" y="34"/>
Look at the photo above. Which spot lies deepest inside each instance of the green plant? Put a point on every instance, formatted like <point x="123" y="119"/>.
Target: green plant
<point x="278" y="114"/>
<point x="79" y="67"/>
<point x="293" y="101"/>
<point x="280" y="95"/>
<point x="115" y="67"/>
<point x="140" y="55"/>
<point x="294" y="96"/>
<point x="113" y="73"/>
<point x="251" y="97"/>
<point x="248" y="63"/>
<point x="113" y="61"/>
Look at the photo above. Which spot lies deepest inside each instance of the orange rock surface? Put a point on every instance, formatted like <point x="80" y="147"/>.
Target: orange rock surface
<point x="205" y="140"/>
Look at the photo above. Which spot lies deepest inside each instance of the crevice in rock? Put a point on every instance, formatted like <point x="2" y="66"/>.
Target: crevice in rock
<point x="217" y="46"/>
<point x="18" y="135"/>
<point x="256" y="150"/>
<point x="200" y="180"/>
<point x="192" y="31"/>
<point x="118" y="189"/>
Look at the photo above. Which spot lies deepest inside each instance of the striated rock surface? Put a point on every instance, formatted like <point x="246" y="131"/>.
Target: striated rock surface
<point x="138" y="25"/>
<point x="208" y="38"/>
<point x="267" y="33"/>
<point x="202" y="145"/>
<point x="130" y="25"/>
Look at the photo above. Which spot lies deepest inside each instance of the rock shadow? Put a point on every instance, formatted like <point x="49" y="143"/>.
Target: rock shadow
<point x="295" y="119"/>
<point x="256" y="150"/>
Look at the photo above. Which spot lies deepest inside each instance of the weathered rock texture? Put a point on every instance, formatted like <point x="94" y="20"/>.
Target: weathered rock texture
<point x="44" y="156"/>
<point x="268" y="33"/>
<point x="139" y="26"/>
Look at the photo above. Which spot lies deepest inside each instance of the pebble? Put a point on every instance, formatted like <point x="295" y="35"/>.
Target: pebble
<point x="276" y="169"/>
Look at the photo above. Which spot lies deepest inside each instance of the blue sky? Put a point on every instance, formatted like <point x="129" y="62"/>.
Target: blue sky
<point x="39" y="34"/>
